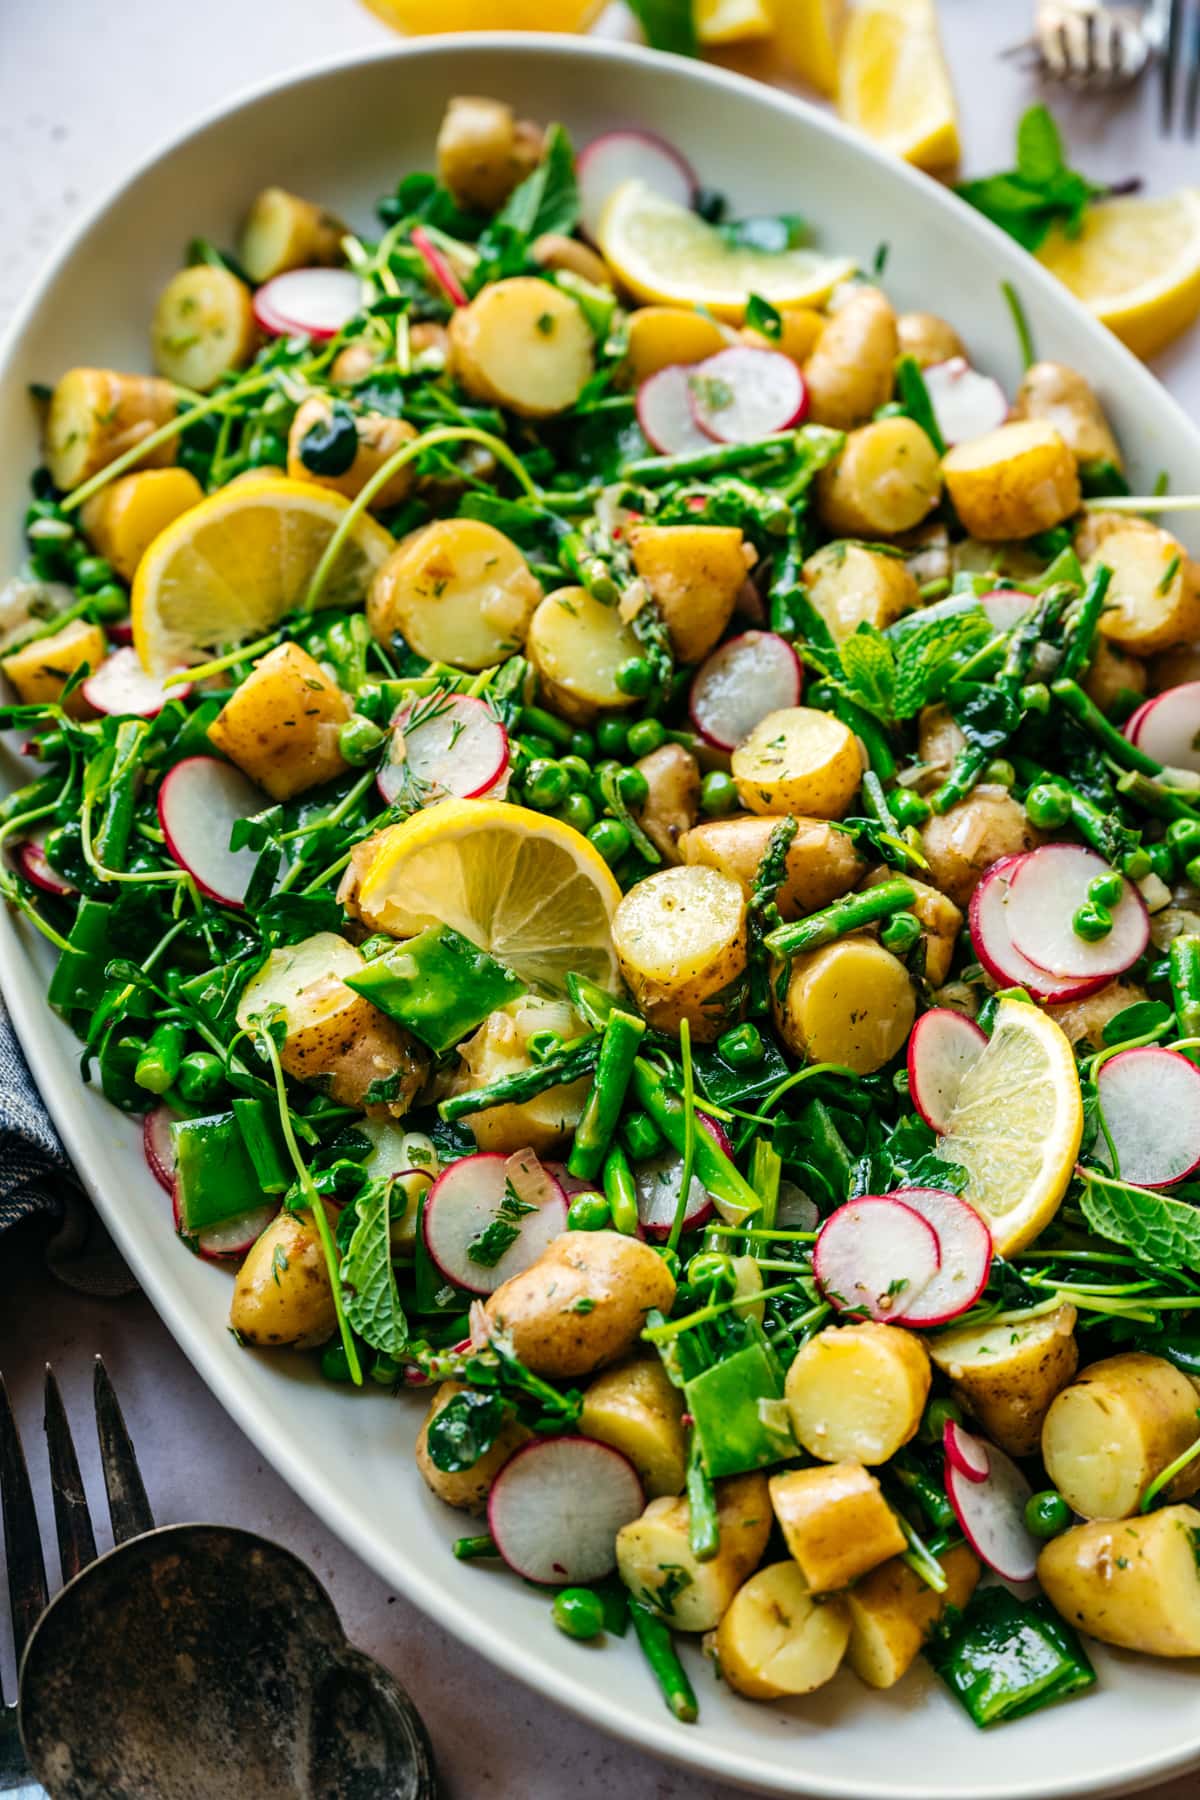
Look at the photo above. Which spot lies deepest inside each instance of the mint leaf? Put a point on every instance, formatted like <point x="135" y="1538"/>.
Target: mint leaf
<point x="928" y="656"/>
<point x="548" y="199"/>
<point x="1040" y="193"/>
<point x="371" y="1298"/>
<point x="667" y="25"/>
<point x="870" y="667"/>
<point x="1039" y="147"/>
<point x="1160" y="1230"/>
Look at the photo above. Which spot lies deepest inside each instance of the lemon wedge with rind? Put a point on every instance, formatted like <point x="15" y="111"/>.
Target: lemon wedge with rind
<point x="893" y="83"/>
<point x="526" y="887"/>
<point x="1017" y="1124"/>
<point x="732" y="21"/>
<point x="1135" y="265"/>
<point x="226" y="571"/>
<point x="663" y="252"/>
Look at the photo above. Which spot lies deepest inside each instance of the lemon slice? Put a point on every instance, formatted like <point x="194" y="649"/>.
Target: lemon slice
<point x="661" y="251"/>
<point x="1017" y="1124"/>
<point x="730" y="21"/>
<point x="228" y="570"/>
<point x="893" y="83"/>
<point x="1136" y="265"/>
<point x="520" y="884"/>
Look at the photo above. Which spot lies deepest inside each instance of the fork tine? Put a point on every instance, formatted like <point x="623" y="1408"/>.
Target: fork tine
<point x="128" y="1507"/>
<point x="27" y="1593"/>
<point x="72" y="1521"/>
<point x="1170" y="62"/>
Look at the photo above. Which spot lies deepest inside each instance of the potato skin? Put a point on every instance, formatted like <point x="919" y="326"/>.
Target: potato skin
<point x="775" y="1639"/>
<point x="694" y="574"/>
<point x="835" y="1522"/>
<point x="1063" y="398"/>
<point x="483" y="152"/>
<point x="458" y="591"/>
<point x="1012" y="482"/>
<point x="40" y="670"/>
<point x="822" y="862"/>
<point x="97" y="415"/>
<point x="282" y="231"/>
<point x="680" y="938"/>
<point x="849" y="374"/>
<point x="378" y="438"/>
<point x="927" y="338"/>
<point x="636" y="1409"/>
<point x="798" y="760"/>
<point x="281" y="1295"/>
<point x="123" y="519"/>
<point x="850" y="1002"/>
<point x="1134" y="1584"/>
<point x="281" y="725"/>
<point x="1153" y="601"/>
<point x="554" y="251"/>
<point x="851" y="585"/>
<point x="885" y="481"/>
<point x="1007" y="1375"/>
<point x="1116" y="1428"/>
<point x="500" y="1047"/>
<point x="652" y="1547"/>
<point x="892" y="1612"/>
<point x="622" y="1278"/>
<point x="466" y="1489"/>
<point x="856" y="1392"/>
<point x="963" y="843"/>
<point x="673" y="803"/>
<point x="346" y="1046"/>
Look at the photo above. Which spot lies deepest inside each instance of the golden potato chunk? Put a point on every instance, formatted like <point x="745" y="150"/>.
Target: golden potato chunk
<point x="484" y="151"/>
<point x="892" y="1611"/>
<point x="1007" y="1375"/>
<point x="583" y="1303"/>
<point x="851" y="585"/>
<point x="41" y="670"/>
<point x="466" y="1489"/>
<point x="577" y="645"/>
<point x="523" y="344"/>
<point x="1108" y="1435"/>
<point x="281" y="231"/>
<point x="660" y="336"/>
<point x="849" y="374"/>
<point x="282" y="1295"/>
<point x="458" y="591"/>
<point x="963" y="843"/>
<point x="672" y="804"/>
<point x="1136" y="1584"/>
<point x="124" y="518"/>
<point x="886" y="480"/>
<point x="654" y="1551"/>
<point x="851" y="1002"/>
<point x="856" y="1392"/>
<point x="800" y="327"/>
<point x="379" y="438"/>
<point x="639" y="1411"/>
<point x="501" y="1047"/>
<point x="927" y="338"/>
<point x="203" y="325"/>
<point x="822" y="862"/>
<point x="694" y="574"/>
<point x="1061" y="397"/>
<point x="835" y="1523"/>
<point x="281" y="725"/>
<point x="554" y="251"/>
<point x="680" y="938"/>
<point x="1153" y="600"/>
<point x="801" y="761"/>
<point x="96" y="415"/>
<point x="776" y="1639"/>
<point x="941" y="922"/>
<point x="1012" y="482"/>
<point x="1084" y="1020"/>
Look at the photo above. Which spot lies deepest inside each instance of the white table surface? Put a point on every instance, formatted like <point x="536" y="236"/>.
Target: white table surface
<point x="86" y="91"/>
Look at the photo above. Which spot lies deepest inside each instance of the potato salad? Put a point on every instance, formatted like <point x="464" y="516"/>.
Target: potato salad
<point x="628" y="821"/>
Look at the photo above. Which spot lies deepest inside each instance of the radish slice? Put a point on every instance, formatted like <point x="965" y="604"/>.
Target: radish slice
<point x="664" y="410"/>
<point x="1006" y="607"/>
<point x="158" y="1146"/>
<point x="234" y="1237"/>
<point x="991" y="1512"/>
<point x="875" y="1256"/>
<point x="476" y="1192"/>
<point x="1151" y="1103"/>
<point x="657" y="1181"/>
<point x="1043" y="896"/>
<point x="199" y="803"/>
<point x="556" y="1507"/>
<point x="969" y="1455"/>
<point x="1168" y="727"/>
<point x="743" y="394"/>
<point x="966" y="1250"/>
<point x="30" y="858"/>
<point x="313" y="303"/>
<point x="439" y="266"/>
<point x="988" y="919"/>
<point x="617" y="156"/>
<point x="740" y="683"/>
<point x="122" y="687"/>
<point x="942" y="1048"/>
<point x="120" y="633"/>
<point x="457" y="746"/>
<point x="965" y="403"/>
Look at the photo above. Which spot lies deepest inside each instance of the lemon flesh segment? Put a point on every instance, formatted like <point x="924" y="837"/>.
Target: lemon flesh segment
<point x="523" y="886"/>
<point x="730" y="21"/>
<point x="1017" y="1125"/>
<point x="806" y="36"/>
<point x="229" y="569"/>
<point x="662" y="251"/>
<point x="1135" y="265"/>
<point x="893" y="83"/>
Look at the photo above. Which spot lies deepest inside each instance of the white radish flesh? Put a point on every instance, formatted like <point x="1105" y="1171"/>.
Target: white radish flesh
<point x="874" y="1257"/>
<point x="313" y="303"/>
<point x="969" y="1455"/>
<point x="965" y="403"/>
<point x="664" y="410"/>
<point x="122" y="688"/>
<point x="439" y="265"/>
<point x="477" y="1192"/>
<point x="990" y="935"/>
<point x="741" y="682"/>
<point x="966" y="1252"/>
<point x="1005" y="607"/>
<point x="617" y="157"/>
<point x="1150" y="1099"/>
<point x="158" y="1146"/>
<point x="457" y="747"/>
<point x="743" y="394"/>
<point x="992" y="1512"/>
<point x="941" y="1049"/>
<point x="556" y="1507"/>
<point x="1168" y="727"/>
<point x="31" y="860"/>
<point x="234" y="1237"/>
<point x="1043" y="897"/>
<point x="657" y="1180"/>
<point x="199" y="803"/>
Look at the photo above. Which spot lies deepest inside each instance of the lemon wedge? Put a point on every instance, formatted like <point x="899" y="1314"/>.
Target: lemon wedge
<point x="893" y="83"/>
<point x="731" y="21"/>
<point x="1136" y="265"/>
<point x="806" y="36"/>
<point x="227" y="570"/>
<point x="1017" y="1125"/>
<point x="520" y="884"/>
<point x="661" y="251"/>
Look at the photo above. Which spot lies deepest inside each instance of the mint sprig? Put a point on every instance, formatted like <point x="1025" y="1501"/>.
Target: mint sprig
<point x="1041" y="192"/>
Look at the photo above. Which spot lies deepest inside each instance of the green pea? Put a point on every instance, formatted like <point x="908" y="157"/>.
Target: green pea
<point x="579" y="770"/>
<point x="641" y="1136"/>
<point x="1183" y="835"/>
<point x="718" y="794"/>
<point x="938" y="1414"/>
<point x="908" y="808"/>
<point x="588" y="1211"/>
<point x="633" y="788"/>
<point x="712" y="1273"/>
<point x="359" y="739"/>
<point x="1046" y="1514"/>
<point x="612" y="737"/>
<point x="578" y="811"/>
<point x="1106" y="889"/>
<point x="741" y="1046"/>
<point x="200" y="1076"/>
<point x="1191" y="869"/>
<point x="1047" y="805"/>
<point x="645" y="736"/>
<point x="900" y="933"/>
<point x="635" y="677"/>
<point x="1137" y="864"/>
<point x="1035" y="698"/>
<point x="610" y="839"/>
<point x="583" y="744"/>
<point x="335" y="1364"/>
<point x="546" y="784"/>
<point x="1000" y="771"/>
<point x="108" y="603"/>
<point x="92" y="572"/>
<point x="578" y="1612"/>
<point x="534" y="744"/>
<point x="1092" y="922"/>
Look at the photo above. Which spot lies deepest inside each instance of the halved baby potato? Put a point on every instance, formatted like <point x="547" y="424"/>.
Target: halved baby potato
<point x="281" y="725"/>
<point x="821" y="865"/>
<point x="850" y="1002"/>
<point x="1007" y="1375"/>
<point x="1012" y="482"/>
<point x="1112" y="1431"/>
<point x="856" y="1392"/>
<point x="798" y="760"/>
<point x="1135" y="1583"/>
<point x="636" y="1408"/>
<point x="655" y="1550"/>
<point x="660" y="336"/>
<point x="283" y="231"/>
<point x="97" y="415"/>
<point x="379" y="437"/>
<point x="577" y="645"/>
<point x="40" y="670"/>
<point x="680" y="938"/>
<point x="124" y="518"/>
<point x="694" y="574"/>
<point x="457" y="591"/>
<point x="777" y="1639"/>
<point x="523" y="344"/>
<point x="851" y="585"/>
<point x="202" y="326"/>
<point x="835" y="1523"/>
<point x="1153" y="599"/>
<point x="886" y="480"/>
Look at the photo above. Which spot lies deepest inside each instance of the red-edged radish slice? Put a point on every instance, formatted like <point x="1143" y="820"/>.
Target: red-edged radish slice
<point x="439" y="265"/>
<point x="234" y="1237"/>
<point x="474" y="1193"/>
<point x="941" y="1049"/>
<point x="991" y="1512"/>
<point x="875" y="1256"/>
<point x="1005" y="607"/>
<point x="30" y="858"/>
<point x="1150" y="1098"/>
<point x="618" y="156"/>
<point x="988" y="919"/>
<point x="199" y="803"/>
<point x="313" y="303"/>
<point x="456" y="747"/>
<point x="556" y="1507"/>
<point x="158" y="1146"/>
<point x="743" y="394"/>
<point x="966" y="1250"/>
<point x="122" y="687"/>
<point x="664" y="410"/>
<point x="794" y="1211"/>
<point x="1043" y="897"/>
<point x="969" y="1455"/>
<point x="657" y="1181"/>
<point x="965" y="403"/>
<point x="1168" y="727"/>
<point x="120" y="633"/>
<point x="740" y="683"/>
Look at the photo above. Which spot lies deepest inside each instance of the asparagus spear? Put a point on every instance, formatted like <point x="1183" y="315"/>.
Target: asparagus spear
<point x="659" y="1651"/>
<point x="618" y="1051"/>
<point x="843" y="916"/>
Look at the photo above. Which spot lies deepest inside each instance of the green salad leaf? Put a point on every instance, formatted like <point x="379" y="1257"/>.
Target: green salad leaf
<point x="372" y="1300"/>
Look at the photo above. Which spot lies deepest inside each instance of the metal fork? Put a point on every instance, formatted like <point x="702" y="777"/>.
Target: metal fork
<point x="1093" y="47"/>
<point x="128" y="1508"/>
<point x="1179" y="77"/>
